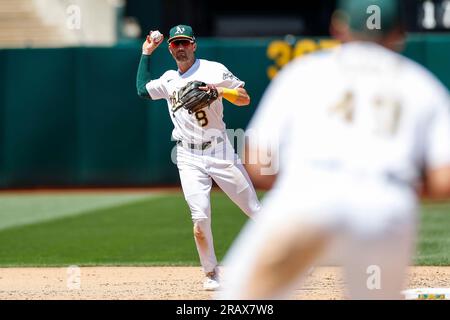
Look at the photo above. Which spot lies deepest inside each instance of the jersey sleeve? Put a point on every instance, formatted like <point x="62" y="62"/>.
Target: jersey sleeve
<point x="437" y="150"/>
<point x="225" y="78"/>
<point x="156" y="89"/>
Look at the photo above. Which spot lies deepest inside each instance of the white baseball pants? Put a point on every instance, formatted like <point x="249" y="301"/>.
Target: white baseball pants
<point x="197" y="169"/>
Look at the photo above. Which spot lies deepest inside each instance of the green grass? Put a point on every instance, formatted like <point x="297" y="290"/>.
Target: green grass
<point x="19" y="209"/>
<point x="153" y="231"/>
<point x="433" y="247"/>
<point x="144" y="230"/>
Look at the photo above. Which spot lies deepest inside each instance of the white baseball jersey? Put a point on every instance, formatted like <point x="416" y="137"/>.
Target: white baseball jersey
<point x="356" y="116"/>
<point x="198" y="168"/>
<point x="195" y="128"/>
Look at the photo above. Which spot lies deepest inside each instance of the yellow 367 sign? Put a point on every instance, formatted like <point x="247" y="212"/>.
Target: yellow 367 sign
<point x="281" y="52"/>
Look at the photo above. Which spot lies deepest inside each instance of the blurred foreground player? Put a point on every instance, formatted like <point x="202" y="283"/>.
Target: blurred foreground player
<point x="365" y="127"/>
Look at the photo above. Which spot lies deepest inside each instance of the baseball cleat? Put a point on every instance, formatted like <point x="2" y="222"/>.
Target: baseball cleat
<point x="211" y="282"/>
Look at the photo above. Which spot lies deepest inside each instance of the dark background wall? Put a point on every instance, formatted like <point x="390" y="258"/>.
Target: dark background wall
<point x="247" y="19"/>
<point x="209" y="18"/>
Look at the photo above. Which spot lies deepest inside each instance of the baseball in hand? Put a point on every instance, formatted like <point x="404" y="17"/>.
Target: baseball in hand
<point x="156" y="36"/>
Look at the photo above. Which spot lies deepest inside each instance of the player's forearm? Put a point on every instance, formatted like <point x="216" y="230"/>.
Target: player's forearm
<point x="437" y="184"/>
<point x="263" y="182"/>
<point x="143" y="77"/>
<point x="237" y="96"/>
<point x="256" y="169"/>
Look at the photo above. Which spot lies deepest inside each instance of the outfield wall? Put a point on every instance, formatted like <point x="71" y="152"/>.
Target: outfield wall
<point x="71" y="116"/>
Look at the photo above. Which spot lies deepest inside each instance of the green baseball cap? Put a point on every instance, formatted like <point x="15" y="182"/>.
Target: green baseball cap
<point x="181" y="31"/>
<point x="371" y="17"/>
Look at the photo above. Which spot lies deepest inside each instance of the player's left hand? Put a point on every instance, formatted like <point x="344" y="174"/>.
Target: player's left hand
<point x="195" y="96"/>
<point x="210" y="87"/>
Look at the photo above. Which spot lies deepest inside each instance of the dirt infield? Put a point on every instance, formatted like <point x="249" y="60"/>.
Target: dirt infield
<point x="165" y="283"/>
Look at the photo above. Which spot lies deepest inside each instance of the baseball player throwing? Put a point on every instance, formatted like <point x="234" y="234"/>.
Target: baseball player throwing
<point x="203" y="149"/>
<point x="367" y="126"/>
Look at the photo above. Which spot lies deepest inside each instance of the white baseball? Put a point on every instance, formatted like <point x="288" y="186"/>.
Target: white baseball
<point x="156" y="36"/>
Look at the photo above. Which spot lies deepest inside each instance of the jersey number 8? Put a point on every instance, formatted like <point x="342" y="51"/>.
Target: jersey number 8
<point x="201" y="118"/>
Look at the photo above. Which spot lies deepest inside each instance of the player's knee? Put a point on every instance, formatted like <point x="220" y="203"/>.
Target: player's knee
<point x="255" y="208"/>
<point x="200" y="229"/>
<point x="198" y="233"/>
<point x="198" y="215"/>
<point x="252" y="208"/>
<point x="199" y="207"/>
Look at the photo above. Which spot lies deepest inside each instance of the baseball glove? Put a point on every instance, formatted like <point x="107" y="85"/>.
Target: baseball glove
<point x="193" y="99"/>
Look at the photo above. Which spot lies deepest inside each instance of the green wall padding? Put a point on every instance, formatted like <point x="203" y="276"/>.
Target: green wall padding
<point x="71" y="116"/>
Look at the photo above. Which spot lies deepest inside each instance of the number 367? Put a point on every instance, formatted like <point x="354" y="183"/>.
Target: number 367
<point x="281" y="52"/>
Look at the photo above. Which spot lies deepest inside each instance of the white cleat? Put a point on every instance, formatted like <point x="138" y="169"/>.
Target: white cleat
<point x="211" y="282"/>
